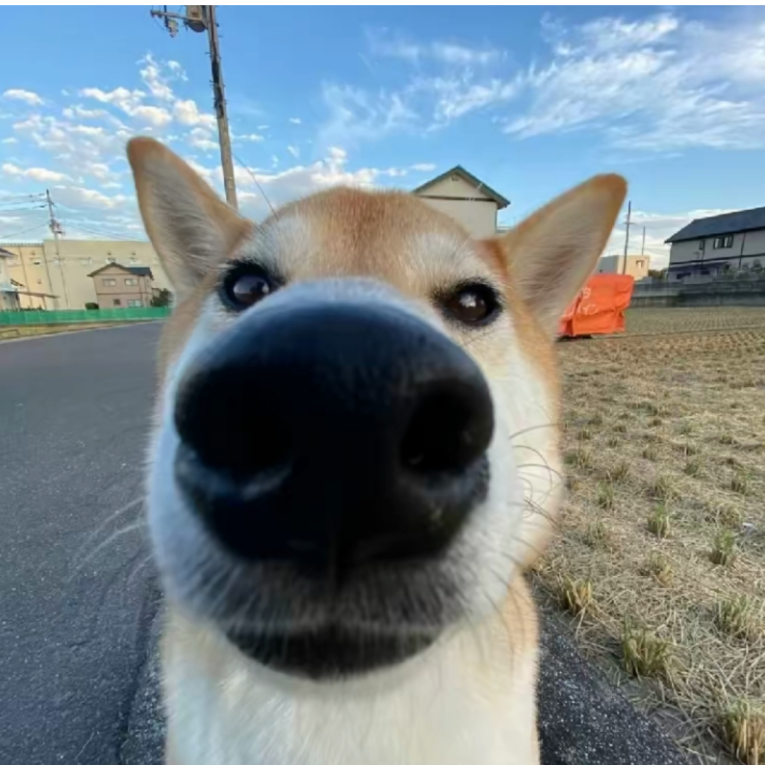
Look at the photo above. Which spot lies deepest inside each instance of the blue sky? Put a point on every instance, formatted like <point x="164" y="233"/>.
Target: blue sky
<point x="530" y="100"/>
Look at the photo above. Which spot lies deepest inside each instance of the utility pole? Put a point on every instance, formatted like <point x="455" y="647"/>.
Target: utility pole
<point x="642" y="249"/>
<point x="627" y="236"/>
<point x="199" y="18"/>
<point x="55" y="228"/>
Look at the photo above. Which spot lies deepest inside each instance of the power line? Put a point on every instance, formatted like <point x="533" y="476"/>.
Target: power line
<point x="199" y="18"/>
<point x="19" y="233"/>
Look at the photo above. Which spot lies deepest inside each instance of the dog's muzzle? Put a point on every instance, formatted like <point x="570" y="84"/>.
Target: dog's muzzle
<point x="337" y="436"/>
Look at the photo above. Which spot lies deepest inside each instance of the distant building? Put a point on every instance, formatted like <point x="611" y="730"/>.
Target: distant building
<point x="118" y="286"/>
<point x="13" y="294"/>
<point x="37" y="266"/>
<point x="709" y="246"/>
<point x="463" y="196"/>
<point x="636" y="266"/>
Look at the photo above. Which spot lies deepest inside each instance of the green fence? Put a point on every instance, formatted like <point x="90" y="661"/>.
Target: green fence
<point x="80" y="317"/>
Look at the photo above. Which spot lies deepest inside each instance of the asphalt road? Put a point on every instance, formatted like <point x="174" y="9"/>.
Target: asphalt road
<point x="78" y="597"/>
<point x="76" y="603"/>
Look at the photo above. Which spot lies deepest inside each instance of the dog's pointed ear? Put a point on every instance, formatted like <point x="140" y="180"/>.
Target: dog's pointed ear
<point x="552" y="253"/>
<point x="191" y="228"/>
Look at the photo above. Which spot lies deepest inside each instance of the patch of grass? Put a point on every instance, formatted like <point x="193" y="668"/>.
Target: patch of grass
<point x="596" y="419"/>
<point x="655" y="422"/>
<point x="620" y="427"/>
<point x="619" y="472"/>
<point x="659" y="567"/>
<point x="659" y="521"/>
<point x="664" y="488"/>
<point x="726" y="439"/>
<point x="743" y="725"/>
<point x="692" y="467"/>
<point x="649" y="453"/>
<point x="579" y="458"/>
<point x="649" y="408"/>
<point x="606" y="495"/>
<point x="585" y="434"/>
<point x="576" y="596"/>
<point x="597" y="535"/>
<point x="737" y="618"/>
<point x="685" y="428"/>
<point x="724" y="549"/>
<point x="643" y="653"/>
<point x="740" y="483"/>
<point x="612" y="442"/>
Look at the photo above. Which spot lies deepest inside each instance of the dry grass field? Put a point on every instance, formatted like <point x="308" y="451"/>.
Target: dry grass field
<point x="660" y="559"/>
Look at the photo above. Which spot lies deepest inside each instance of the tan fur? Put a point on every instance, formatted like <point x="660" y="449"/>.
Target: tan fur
<point x="398" y="239"/>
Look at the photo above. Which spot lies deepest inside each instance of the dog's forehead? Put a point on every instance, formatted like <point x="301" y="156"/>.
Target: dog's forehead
<point x="388" y="235"/>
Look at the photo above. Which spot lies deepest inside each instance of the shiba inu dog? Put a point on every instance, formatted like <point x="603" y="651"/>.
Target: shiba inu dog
<point x="355" y="457"/>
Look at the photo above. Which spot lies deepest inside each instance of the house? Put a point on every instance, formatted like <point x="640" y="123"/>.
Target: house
<point x="62" y="269"/>
<point x="14" y="296"/>
<point x="120" y="286"/>
<point x="708" y="246"/>
<point x="460" y="194"/>
<point x="9" y="298"/>
<point x="636" y="265"/>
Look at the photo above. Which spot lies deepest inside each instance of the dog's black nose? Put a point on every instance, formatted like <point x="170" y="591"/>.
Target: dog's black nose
<point x="332" y="433"/>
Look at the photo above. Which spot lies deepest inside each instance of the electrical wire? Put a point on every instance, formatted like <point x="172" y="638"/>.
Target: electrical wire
<point x="19" y="233"/>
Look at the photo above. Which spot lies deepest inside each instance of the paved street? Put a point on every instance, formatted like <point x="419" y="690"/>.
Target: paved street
<point x="78" y="679"/>
<point x="75" y="602"/>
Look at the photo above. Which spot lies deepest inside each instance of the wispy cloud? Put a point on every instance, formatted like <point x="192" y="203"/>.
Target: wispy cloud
<point x="661" y="84"/>
<point x="27" y="96"/>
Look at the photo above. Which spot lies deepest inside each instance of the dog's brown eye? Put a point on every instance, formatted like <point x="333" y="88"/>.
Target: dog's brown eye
<point x="248" y="289"/>
<point x="245" y="285"/>
<point x="472" y="304"/>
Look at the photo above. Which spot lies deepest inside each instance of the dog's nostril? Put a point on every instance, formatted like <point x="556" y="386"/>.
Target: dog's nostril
<point x="448" y="430"/>
<point x="239" y="439"/>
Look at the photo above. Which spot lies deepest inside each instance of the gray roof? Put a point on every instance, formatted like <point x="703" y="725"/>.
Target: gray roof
<point x="716" y="225"/>
<point x="471" y="179"/>
<point x="135" y="270"/>
<point x="5" y="253"/>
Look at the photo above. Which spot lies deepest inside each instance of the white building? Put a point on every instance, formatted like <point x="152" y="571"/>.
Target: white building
<point x="709" y="246"/>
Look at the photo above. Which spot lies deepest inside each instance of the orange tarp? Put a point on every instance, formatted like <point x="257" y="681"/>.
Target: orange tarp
<point x="599" y="308"/>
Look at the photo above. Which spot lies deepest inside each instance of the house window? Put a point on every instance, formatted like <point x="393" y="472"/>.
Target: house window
<point x="134" y="303"/>
<point x="638" y="263"/>
<point x="131" y="282"/>
<point x="723" y="242"/>
<point x="110" y="282"/>
<point x="702" y="244"/>
<point x="117" y="301"/>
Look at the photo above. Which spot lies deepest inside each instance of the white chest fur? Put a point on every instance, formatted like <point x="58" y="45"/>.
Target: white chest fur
<point x="469" y="700"/>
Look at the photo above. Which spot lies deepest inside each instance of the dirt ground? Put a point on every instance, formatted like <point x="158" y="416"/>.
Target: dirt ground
<point x="660" y="560"/>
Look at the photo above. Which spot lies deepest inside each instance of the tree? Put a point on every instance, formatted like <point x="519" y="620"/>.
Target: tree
<point x="162" y="298"/>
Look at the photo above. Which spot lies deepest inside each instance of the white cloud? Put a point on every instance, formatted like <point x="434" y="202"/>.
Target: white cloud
<point x="79" y="197"/>
<point x="664" y="83"/>
<point x="10" y="140"/>
<point x="199" y="138"/>
<point x="39" y="174"/>
<point x="187" y="113"/>
<point x="79" y="112"/>
<point x="152" y="77"/>
<point x="660" y="84"/>
<point x="262" y="127"/>
<point x="423" y="167"/>
<point x="27" y="96"/>
<point x="295" y="120"/>
<point x="255" y="137"/>
<point x="294" y="151"/>
<point x="356" y="115"/>
<point x="382" y="44"/>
